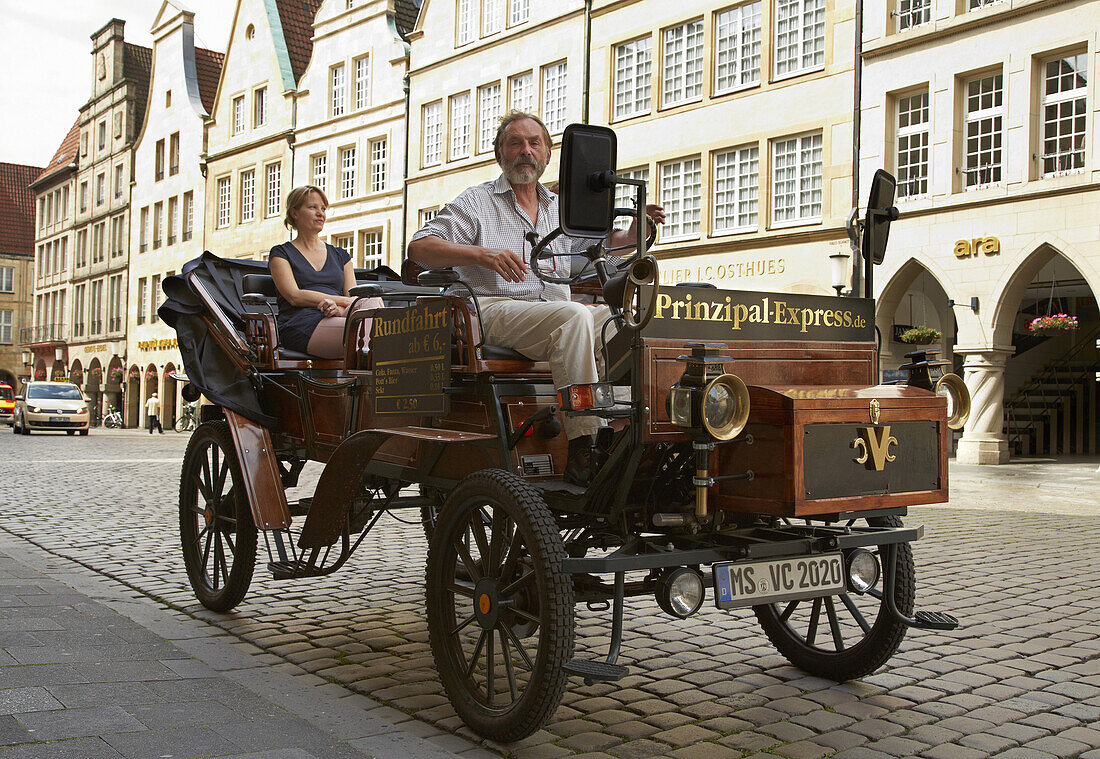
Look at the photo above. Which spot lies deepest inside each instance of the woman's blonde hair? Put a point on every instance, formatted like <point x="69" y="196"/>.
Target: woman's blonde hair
<point x="297" y="198"/>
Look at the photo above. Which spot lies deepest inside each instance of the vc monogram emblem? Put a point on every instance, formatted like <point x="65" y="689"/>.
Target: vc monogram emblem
<point x="873" y="445"/>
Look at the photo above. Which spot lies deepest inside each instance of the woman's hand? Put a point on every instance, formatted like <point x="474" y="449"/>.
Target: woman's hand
<point x="330" y="308"/>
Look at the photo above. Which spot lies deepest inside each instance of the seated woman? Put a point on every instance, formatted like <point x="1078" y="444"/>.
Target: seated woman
<point x="313" y="279"/>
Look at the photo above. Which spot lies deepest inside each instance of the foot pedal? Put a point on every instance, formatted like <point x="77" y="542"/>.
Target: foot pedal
<point x="289" y="570"/>
<point x="595" y="671"/>
<point x="935" y="620"/>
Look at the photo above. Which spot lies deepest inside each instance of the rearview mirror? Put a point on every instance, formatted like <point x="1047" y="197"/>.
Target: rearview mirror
<point x="880" y="212"/>
<point x="586" y="180"/>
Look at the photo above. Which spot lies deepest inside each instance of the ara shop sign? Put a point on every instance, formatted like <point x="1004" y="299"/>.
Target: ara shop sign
<point x="990" y="246"/>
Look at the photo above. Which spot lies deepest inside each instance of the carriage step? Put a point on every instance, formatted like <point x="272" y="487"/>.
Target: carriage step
<point x="935" y="620"/>
<point x="301" y="508"/>
<point x="595" y="671"/>
<point x="288" y="570"/>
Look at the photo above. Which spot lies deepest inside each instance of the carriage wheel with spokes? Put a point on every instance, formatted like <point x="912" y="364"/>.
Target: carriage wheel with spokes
<point x="500" y="606"/>
<point x="216" y="528"/>
<point x="848" y="635"/>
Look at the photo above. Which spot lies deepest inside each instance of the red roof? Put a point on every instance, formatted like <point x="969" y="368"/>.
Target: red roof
<point x="137" y="68"/>
<point x="17" y="207"/>
<point x="297" y="18"/>
<point x="208" y="67"/>
<point x="66" y="152"/>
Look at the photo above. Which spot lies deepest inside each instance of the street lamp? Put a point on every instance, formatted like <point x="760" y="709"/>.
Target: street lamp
<point x="26" y="358"/>
<point x="59" y="354"/>
<point x="838" y="267"/>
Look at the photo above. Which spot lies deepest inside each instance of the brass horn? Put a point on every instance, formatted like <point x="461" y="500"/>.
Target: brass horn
<point x="641" y="273"/>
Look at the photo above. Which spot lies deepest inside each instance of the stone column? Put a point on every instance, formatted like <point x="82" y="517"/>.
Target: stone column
<point x="983" y="440"/>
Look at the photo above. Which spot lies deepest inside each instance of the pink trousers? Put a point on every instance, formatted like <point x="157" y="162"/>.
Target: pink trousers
<point x="327" y="340"/>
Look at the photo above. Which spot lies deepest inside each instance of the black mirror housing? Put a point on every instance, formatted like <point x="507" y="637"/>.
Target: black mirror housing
<point x="880" y="212"/>
<point x="587" y="180"/>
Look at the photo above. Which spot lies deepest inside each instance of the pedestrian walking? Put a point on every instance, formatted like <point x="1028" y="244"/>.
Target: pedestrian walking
<point x="152" y="409"/>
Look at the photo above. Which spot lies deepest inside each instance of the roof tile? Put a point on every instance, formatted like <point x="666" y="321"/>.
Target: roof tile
<point x="208" y="67"/>
<point x="406" y="12"/>
<point x="137" y="67"/>
<point x="66" y="152"/>
<point x="297" y="19"/>
<point x="17" y="207"/>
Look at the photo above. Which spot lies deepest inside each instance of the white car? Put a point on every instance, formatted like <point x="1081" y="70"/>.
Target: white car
<point x="50" y="406"/>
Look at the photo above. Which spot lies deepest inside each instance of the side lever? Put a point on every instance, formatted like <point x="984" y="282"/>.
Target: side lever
<point x="545" y="412"/>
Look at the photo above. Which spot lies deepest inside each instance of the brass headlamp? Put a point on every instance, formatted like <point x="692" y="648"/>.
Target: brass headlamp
<point x="706" y="400"/>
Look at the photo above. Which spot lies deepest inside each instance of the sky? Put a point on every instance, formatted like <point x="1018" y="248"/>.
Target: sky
<point x="46" y="62"/>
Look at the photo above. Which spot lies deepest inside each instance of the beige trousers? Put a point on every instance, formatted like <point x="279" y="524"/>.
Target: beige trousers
<point x="563" y="333"/>
<point x="327" y="340"/>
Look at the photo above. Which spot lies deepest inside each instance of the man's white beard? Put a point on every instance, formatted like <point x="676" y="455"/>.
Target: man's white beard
<point x="524" y="173"/>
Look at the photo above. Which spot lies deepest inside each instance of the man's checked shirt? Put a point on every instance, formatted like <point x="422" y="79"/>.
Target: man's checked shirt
<point x="488" y="215"/>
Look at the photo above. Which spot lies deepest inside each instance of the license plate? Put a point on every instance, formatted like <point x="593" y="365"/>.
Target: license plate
<point x="750" y="583"/>
<point x="57" y="419"/>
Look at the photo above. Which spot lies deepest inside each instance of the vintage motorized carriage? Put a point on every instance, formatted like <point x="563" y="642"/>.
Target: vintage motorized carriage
<point x="748" y="449"/>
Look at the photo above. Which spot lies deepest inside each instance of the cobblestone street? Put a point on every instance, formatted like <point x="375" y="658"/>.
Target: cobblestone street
<point x="1013" y="557"/>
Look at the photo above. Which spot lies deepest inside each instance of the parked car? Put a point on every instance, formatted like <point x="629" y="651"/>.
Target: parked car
<point x="7" y="403"/>
<point x="50" y="406"/>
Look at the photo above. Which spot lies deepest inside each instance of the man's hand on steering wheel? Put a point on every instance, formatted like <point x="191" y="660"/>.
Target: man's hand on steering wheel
<point x="505" y="263"/>
<point x="656" y="215"/>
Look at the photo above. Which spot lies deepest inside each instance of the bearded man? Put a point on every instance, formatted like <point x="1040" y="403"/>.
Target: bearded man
<point x="482" y="234"/>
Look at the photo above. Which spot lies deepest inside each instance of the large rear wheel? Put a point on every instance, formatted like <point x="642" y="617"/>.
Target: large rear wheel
<point x="500" y="606"/>
<point x="849" y="635"/>
<point x="216" y="528"/>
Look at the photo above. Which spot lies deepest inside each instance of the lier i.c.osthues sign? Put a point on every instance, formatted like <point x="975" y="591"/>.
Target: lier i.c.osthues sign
<point x="412" y="358"/>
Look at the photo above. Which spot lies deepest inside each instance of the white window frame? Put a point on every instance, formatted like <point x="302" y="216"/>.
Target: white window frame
<point x="737" y="42"/>
<point x="519" y="11"/>
<point x="142" y="299"/>
<point x="345" y="240"/>
<point x="238" y="115"/>
<point x="802" y="34"/>
<point x="680" y="193"/>
<point x="555" y="96"/>
<point x="273" y="181"/>
<point x="492" y="16"/>
<point x="977" y="5"/>
<point x="188" y="214"/>
<point x="459" y="109"/>
<point x="467" y="21"/>
<point x="248" y="195"/>
<point x="624" y="193"/>
<point x="318" y="171"/>
<point x="347" y="172"/>
<point x="632" y="92"/>
<point x="362" y="82"/>
<point x="1055" y="164"/>
<point x="489" y="99"/>
<point x="682" y="63"/>
<point x="913" y="13"/>
<point x="259" y="107"/>
<point x="984" y="120"/>
<point x="521" y="92"/>
<point x="432" y="128"/>
<point x="7" y="279"/>
<point x="379" y="161"/>
<point x="338" y="91"/>
<point x="802" y="180"/>
<point x="912" y="120"/>
<point x="5" y="327"/>
<point x="736" y="190"/>
<point x="374" y="254"/>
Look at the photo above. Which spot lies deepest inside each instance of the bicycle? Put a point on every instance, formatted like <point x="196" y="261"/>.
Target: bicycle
<point x="187" y="421"/>
<point x="112" y="420"/>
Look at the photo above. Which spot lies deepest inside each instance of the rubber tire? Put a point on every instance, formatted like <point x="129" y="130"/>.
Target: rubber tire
<point x="525" y="506"/>
<point x="178" y="426"/>
<point x="876" y="647"/>
<point x="70" y="433"/>
<point x="84" y="431"/>
<point x="234" y="588"/>
<point x="24" y="429"/>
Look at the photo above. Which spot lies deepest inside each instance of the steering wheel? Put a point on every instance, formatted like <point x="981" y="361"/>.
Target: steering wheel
<point x="540" y="250"/>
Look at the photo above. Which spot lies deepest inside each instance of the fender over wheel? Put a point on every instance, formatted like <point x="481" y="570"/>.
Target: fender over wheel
<point x="500" y="606"/>
<point x="845" y="636"/>
<point x="216" y="529"/>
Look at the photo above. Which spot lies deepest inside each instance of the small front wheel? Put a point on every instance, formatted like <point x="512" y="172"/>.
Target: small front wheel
<point x="500" y="606"/>
<point x="216" y="528"/>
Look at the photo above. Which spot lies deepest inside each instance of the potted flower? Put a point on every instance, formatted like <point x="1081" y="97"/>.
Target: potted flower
<point x="920" y="335"/>
<point x="95" y="375"/>
<point x="114" y="376"/>
<point x="1052" y="324"/>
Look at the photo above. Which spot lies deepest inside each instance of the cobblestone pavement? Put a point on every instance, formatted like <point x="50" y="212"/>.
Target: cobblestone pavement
<point x="1013" y="556"/>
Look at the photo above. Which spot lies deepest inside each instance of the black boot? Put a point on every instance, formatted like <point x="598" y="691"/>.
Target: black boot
<point x="579" y="466"/>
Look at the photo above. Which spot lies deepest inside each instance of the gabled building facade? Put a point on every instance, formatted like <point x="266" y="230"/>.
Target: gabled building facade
<point x="17" y="239"/>
<point x="248" y="161"/>
<point x="350" y="136"/>
<point x="168" y="201"/>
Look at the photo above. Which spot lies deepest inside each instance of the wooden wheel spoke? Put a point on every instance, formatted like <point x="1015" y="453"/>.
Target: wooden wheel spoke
<point x="508" y="670"/>
<point x="219" y="485"/>
<point x="490" y="668"/>
<point x="511" y="558"/>
<point x="874" y="593"/>
<point x="477" y="527"/>
<point x="496" y="541"/>
<point x="787" y="612"/>
<point x="467" y="560"/>
<point x="477" y="652"/>
<point x="463" y="624"/>
<point x="510" y="590"/>
<point x="518" y="644"/>
<point x="204" y="490"/>
<point x="522" y="614"/>
<point x="834" y="623"/>
<point x="815" y="617"/>
<point x="229" y="542"/>
<point x="466" y="591"/>
<point x="206" y="549"/>
<point x="857" y="615"/>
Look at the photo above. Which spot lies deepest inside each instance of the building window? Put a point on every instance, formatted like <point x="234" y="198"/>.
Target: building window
<point x="1064" y="107"/>
<point x="737" y="48"/>
<point x="492" y="17"/>
<point x="114" y="303"/>
<point x="984" y="130"/>
<point x="154" y="288"/>
<point x="173" y="218"/>
<point x="78" y="311"/>
<point x="633" y="77"/>
<point x="553" y="96"/>
<point x="142" y="300"/>
<point x="912" y="139"/>
<point x="519" y="12"/>
<point x="158" y="218"/>
<point x="736" y="187"/>
<point x="5" y="327"/>
<point x="362" y="83"/>
<point x="973" y="5"/>
<point x="83" y="197"/>
<point x="100" y="189"/>
<point x="427" y="214"/>
<point x="521" y="92"/>
<point x="188" y="215"/>
<point x="118" y="181"/>
<point x="466" y="21"/>
<point x="116" y="240"/>
<point x="238" y="114"/>
<point x="224" y="189"/>
<point x="460" y="126"/>
<point x="682" y="69"/>
<point x="99" y="242"/>
<point x="347" y="172"/>
<point x="102" y="132"/>
<point x="347" y="242"/>
<point x="796" y="178"/>
<point x="274" y="174"/>
<point x="433" y="134"/>
<point x="799" y="36"/>
<point x="7" y="279"/>
<point x="259" y="107"/>
<point x="248" y="195"/>
<point x="174" y="154"/>
<point x="337" y="90"/>
<point x="625" y="193"/>
<point x="378" y="157"/>
<point x="488" y="115"/>
<point x="318" y="171"/>
<point x="680" y="187"/>
<point x="372" y="249"/>
<point x="913" y="13"/>
<point x="80" y="254"/>
<point x="159" y="161"/>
